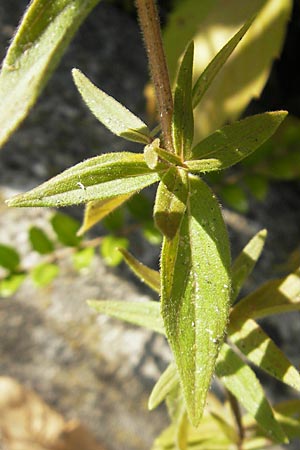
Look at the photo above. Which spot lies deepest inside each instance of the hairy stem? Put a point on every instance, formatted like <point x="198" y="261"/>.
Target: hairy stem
<point x="150" y="26"/>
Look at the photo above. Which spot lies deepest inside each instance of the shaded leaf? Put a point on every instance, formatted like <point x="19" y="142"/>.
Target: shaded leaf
<point x="241" y="381"/>
<point x="207" y="76"/>
<point x="114" y="221"/>
<point x="195" y="293"/>
<point x="235" y="197"/>
<point x="258" y="186"/>
<point x="40" y="241"/>
<point x="245" y="262"/>
<point x="83" y="258"/>
<point x="109" y="249"/>
<point x="145" y="274"/>
<point x="151" y="233"/>
<point x="273" y="297"/>
<point x="118" y="119"/>
<point x="98" y="209"/>
<point x="98" y="178"/>
<point x="232" y="143"/>
<point x="10" y="284"/>
<point x="170" y="201"/>
<point x="144" y="314"/>
<point x="44" y="33"/>
<point x="256" y="345"/>
<point x="183" y="119"/>
<point x="166" y="383"/>
<point x="9" y="257"/>
<point x="66" y="229"/>
<point x="140" y="207"/>
<point x="44" y="274"/>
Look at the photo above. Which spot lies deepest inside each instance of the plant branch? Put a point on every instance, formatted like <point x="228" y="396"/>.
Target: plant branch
<point x="150" y="26"/>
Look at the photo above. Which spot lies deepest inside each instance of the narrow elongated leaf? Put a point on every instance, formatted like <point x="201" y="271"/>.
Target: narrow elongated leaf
<point x="183" y="119"/>
<point x="232" y="143"/>
<point x="195" y="293"/>
<point x="274" y="297"/>
<point x="241" y="381"/>
<point x="96" y="210"/>
<point x="213" y="68"/>
<point x="166" y="383"/>
<point x="145" y="274"/>
<point x="9" y="257"/>
<point x="110" y="112"/>
<point x="144" y="314"/>
<point x="66" y="229"/>
<point x="245" y="262"/>
<point x="170" y="202"/>
<point x="40" y="241"/>
<point x="256" y="345"/>
<point x="98" y="178"/>
<point x="44" y="33"/>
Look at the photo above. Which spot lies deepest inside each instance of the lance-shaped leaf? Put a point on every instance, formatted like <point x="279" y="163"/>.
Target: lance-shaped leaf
<point x="170" y="202"/>
<point x="183" y="119"/>
<point x="274" y="297"/>
<point x="245" y="262"/>
<point x="195" y="293"/>
<point x="145" y="274"/>
<point x="213" y="68"/>
<point x="98" y="178"/>
<point x="39" y="240"/>
<point x="96" y="210"/>
<point x="118" y="119"/>
<point x="144" y="314"/>
<point x="241" y="381"/>
<point x="232" y="143"/>
<point x="44" y="33"/>
<point x="9" y="257"/>
<point x="256" y="345"/>
<point x="167" y="382"/>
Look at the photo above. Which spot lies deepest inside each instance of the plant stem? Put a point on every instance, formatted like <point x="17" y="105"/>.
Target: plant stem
<point x="237" y="415"/>
<point x="150" y="26"/>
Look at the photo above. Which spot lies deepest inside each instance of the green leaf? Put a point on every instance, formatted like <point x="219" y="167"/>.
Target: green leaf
<point x="110" y="112"/>
<point x="10" y="284"/>
<point x="256" y="345"/>
<point x="98" y="209"/>
<point x="109" y="249"/>
<point x="273" y="297"/>
<point x="143" y="314"/>
<point x="114" y="221"/>
<point x="140" y="207"/>
<point x="98" y="178"/>
<point x="9" y="257"/>
<point x="66" y="229"/>
<point x="232" y="143"/>
<point x="207" y="76"/>
<point x="170" y="202"/>
<point x="40" y="241"/>
<point x="44" y="34"/>
<point x="44" y="274"/>
<point x="235" y="197"/>
<point x="151" y="233"/>
<point x="195" y="267"/>
<point x="145" y="274"/>
<point x="166" y="383"/>
<point x="245" y="262"/>
<point x="83" y="258"/>
<point x="183" y="119"/>
<point x="258" y="186"/>
<point x="241" y="381"/>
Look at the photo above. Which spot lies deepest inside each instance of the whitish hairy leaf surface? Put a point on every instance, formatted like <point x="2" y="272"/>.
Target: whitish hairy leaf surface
<point x="183" y="119"/>
<point x="274" y="297"/>
<point x="241" y="381"/>
<point x="44" y="34"/>
<point x="195" y="293"/>
<point x="170" y="201"/>
<point x="232" y="143"/>
<point x="145" y="274"/>
<point x="110" y="112"/>
<point x="213" y="68"/>
<point x="98" y="209"/>
<point x="245" y="262"/>
<point x="144" y="314"/>
<point x="98" y="178"/>
<point x="166" y="383"/>
<point x="256" y="345"/>
<point x="212" y="25"/>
